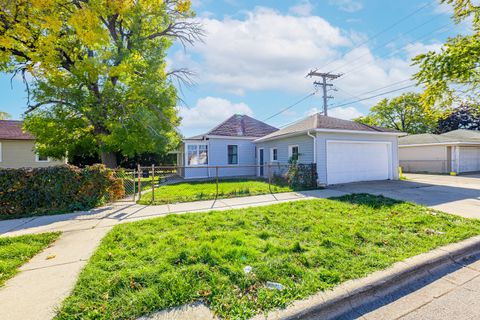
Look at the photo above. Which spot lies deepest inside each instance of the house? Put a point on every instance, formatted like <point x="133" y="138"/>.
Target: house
<point x="17" y="148"/>
<point x="230" y="145"/>
<point x="342" y="151"/>
<point x="455" y="151"/>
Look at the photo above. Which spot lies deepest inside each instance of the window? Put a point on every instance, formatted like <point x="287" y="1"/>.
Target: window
<point x="197" y="154"/>
<point x="232" y="154"/>
<point x="39" y="158"/>
<point x="274" y="154"/>
<point x="293" y="153"/>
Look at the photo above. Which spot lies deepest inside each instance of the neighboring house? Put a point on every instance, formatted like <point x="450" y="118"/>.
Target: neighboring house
<point x="343" y="151"/>
<point x="17" y="148"/>
<point x="455" y="151"/>
<point x="230" y="145"/>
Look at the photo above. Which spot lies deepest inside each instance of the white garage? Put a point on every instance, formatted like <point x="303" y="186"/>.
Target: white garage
<point x="455" y="151"/>
<point x="349" y="161"/>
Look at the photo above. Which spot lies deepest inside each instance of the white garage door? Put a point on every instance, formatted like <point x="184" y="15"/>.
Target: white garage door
<point x="358" y="161"/>
<point x="469" y="159"/>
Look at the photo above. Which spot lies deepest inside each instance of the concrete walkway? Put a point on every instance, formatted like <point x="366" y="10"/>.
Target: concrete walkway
<point x="46" y="280"/>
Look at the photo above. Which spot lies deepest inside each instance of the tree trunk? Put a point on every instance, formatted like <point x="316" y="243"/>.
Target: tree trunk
<point x="109" y="159"/>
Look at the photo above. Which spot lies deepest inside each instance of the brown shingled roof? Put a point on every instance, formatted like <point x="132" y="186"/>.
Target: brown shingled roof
<point x="12" y="130"/>
<point x="240" y="126"/>
<point x="318" y="121"/>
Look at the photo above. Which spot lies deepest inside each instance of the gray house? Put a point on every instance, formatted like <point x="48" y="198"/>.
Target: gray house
<point x="455" y="151"/>
<point x="343" y="151"/>
<point x="229" y="145"/>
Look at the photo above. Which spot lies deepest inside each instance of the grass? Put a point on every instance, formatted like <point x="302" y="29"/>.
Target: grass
<point x="15" y="251"/>
<point x="205" y="190"/>
<point x="307" y="246"/>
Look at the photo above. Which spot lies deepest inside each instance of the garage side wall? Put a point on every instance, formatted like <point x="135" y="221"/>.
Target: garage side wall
<point x="322" y="139"/>
<point x="304" y="143"/>
<point x="424" y="159"/>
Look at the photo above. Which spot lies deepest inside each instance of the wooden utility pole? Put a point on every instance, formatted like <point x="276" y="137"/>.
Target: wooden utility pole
<point x="324" y="84"/>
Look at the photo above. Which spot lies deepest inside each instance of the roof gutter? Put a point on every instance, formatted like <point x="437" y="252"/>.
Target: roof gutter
<point x="439" y="144"/>
<point x="314" y="146"/>
<point x="384" y="133"/>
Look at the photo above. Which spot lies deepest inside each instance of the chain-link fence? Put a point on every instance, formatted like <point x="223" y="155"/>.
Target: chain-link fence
<point x="172" y="184"/>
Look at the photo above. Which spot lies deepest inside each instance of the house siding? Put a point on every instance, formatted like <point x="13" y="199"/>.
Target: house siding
<point x="321" y="149"/>
<point x="218" y="156"/>
<point x="20" y="154"/>
<point x="305" y="148"/>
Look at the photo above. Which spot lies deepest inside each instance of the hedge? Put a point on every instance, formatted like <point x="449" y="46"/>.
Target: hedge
<point x="38" y="191"/>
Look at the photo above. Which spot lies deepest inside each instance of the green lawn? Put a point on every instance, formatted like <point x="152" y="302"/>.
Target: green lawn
<point x="205" y="190"/>
<point x="15" y="251"/>
<point x="307" y="246"/>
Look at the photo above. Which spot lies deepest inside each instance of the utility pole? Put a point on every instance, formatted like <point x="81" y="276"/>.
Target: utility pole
<point x="324" y="84"/>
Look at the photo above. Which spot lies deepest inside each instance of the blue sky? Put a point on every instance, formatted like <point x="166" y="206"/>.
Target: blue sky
<point x="256" y="54"/>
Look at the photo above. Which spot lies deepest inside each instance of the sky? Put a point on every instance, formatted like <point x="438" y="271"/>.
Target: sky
<point x="255" y="56"/>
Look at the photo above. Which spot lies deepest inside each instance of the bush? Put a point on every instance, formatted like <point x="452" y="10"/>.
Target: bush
<point x="302" y="176"/>
<point x="37" y="191"/>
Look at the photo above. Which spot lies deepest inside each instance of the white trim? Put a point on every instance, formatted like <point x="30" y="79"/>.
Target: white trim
<point x="290" y="151"/>
<point x="297" y="133"/>
<point x="37" y="159"/>
<point x="258" y="161"/>
<point x="388" y="143"/>
<point x="197" y="144"/>
<point x="238" y="158"/>
<point x="271" y="154"/>
<point x="439" y="144"/>
<point x="1" y="150"/>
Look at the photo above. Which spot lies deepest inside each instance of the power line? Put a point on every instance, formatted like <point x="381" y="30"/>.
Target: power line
<point x="324" y="84"/>
<point x="383" y="31"/>
<point x="290" y="106"/>
<point x="374" y="96"/>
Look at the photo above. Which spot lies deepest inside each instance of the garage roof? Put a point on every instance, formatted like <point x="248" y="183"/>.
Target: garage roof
<point x="452" y="137"/>
<point x="12" y="130"/>
<point x="319" y="122"/>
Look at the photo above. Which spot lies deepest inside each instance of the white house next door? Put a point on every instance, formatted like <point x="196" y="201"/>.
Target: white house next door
<point x="350" y="161"/>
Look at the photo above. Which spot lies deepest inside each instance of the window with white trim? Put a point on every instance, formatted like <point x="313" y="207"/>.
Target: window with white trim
<point x="39" y="158"/>
<point x="197" y="154"/>
<point x="293" y="153"/>
<point x="232" y="153"/>
<point x="274" y="154"/>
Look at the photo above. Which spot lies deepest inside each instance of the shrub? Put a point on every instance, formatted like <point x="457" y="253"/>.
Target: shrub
<point x="36" y="191"/>
<point x="302" y="176"/>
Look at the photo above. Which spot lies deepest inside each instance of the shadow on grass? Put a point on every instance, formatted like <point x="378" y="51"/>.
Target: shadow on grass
<point x="366" y="199"/>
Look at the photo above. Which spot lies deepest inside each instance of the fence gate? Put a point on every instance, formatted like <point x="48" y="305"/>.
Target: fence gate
<point x="128" y="178"/>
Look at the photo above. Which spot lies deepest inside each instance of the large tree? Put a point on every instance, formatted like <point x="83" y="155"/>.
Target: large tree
<point x="4" y="115"/>
<point x="404" y="113"/>
<point x="463" y="117"/>
<point x="99" y="82"/>
<point x="452" y="75"/>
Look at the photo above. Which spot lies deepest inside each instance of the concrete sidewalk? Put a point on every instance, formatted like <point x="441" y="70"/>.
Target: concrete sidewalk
<point x="46" y="280"/>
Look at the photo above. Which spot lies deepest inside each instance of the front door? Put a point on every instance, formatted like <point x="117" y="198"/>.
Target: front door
<point x="260" y="162"/>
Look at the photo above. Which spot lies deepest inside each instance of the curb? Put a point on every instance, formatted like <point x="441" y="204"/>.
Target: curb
<point x="356" y="293"/>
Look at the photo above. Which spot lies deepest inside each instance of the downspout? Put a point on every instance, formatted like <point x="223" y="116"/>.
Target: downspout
<point x="314" y="146"/>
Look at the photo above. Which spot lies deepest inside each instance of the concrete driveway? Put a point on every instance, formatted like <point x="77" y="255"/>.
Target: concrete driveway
<point x="458" y="195"/>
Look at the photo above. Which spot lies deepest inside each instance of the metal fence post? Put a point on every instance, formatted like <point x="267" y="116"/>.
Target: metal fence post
<point x="216" y="182"/>
<point x="133" y="180"/>
<point x="269" y="177"/>
<point x="153" y="183"/>
<point x="139" y="182"/>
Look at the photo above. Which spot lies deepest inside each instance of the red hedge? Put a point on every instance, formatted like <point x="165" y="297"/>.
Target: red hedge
<point x="37" y="191"/>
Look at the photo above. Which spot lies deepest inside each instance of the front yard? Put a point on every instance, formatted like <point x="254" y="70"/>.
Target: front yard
<point x="306" y="246"/>
<point x="206" y="190"/>
<point x="15" y="251"/>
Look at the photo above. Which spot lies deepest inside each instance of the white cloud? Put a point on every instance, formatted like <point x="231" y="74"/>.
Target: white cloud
<point x="304" y="8"/>
<point x="347" y="5"/>
<point x="209" y="112"/>
<point x="346" y="113"/>
<point x="417" y="48"/>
